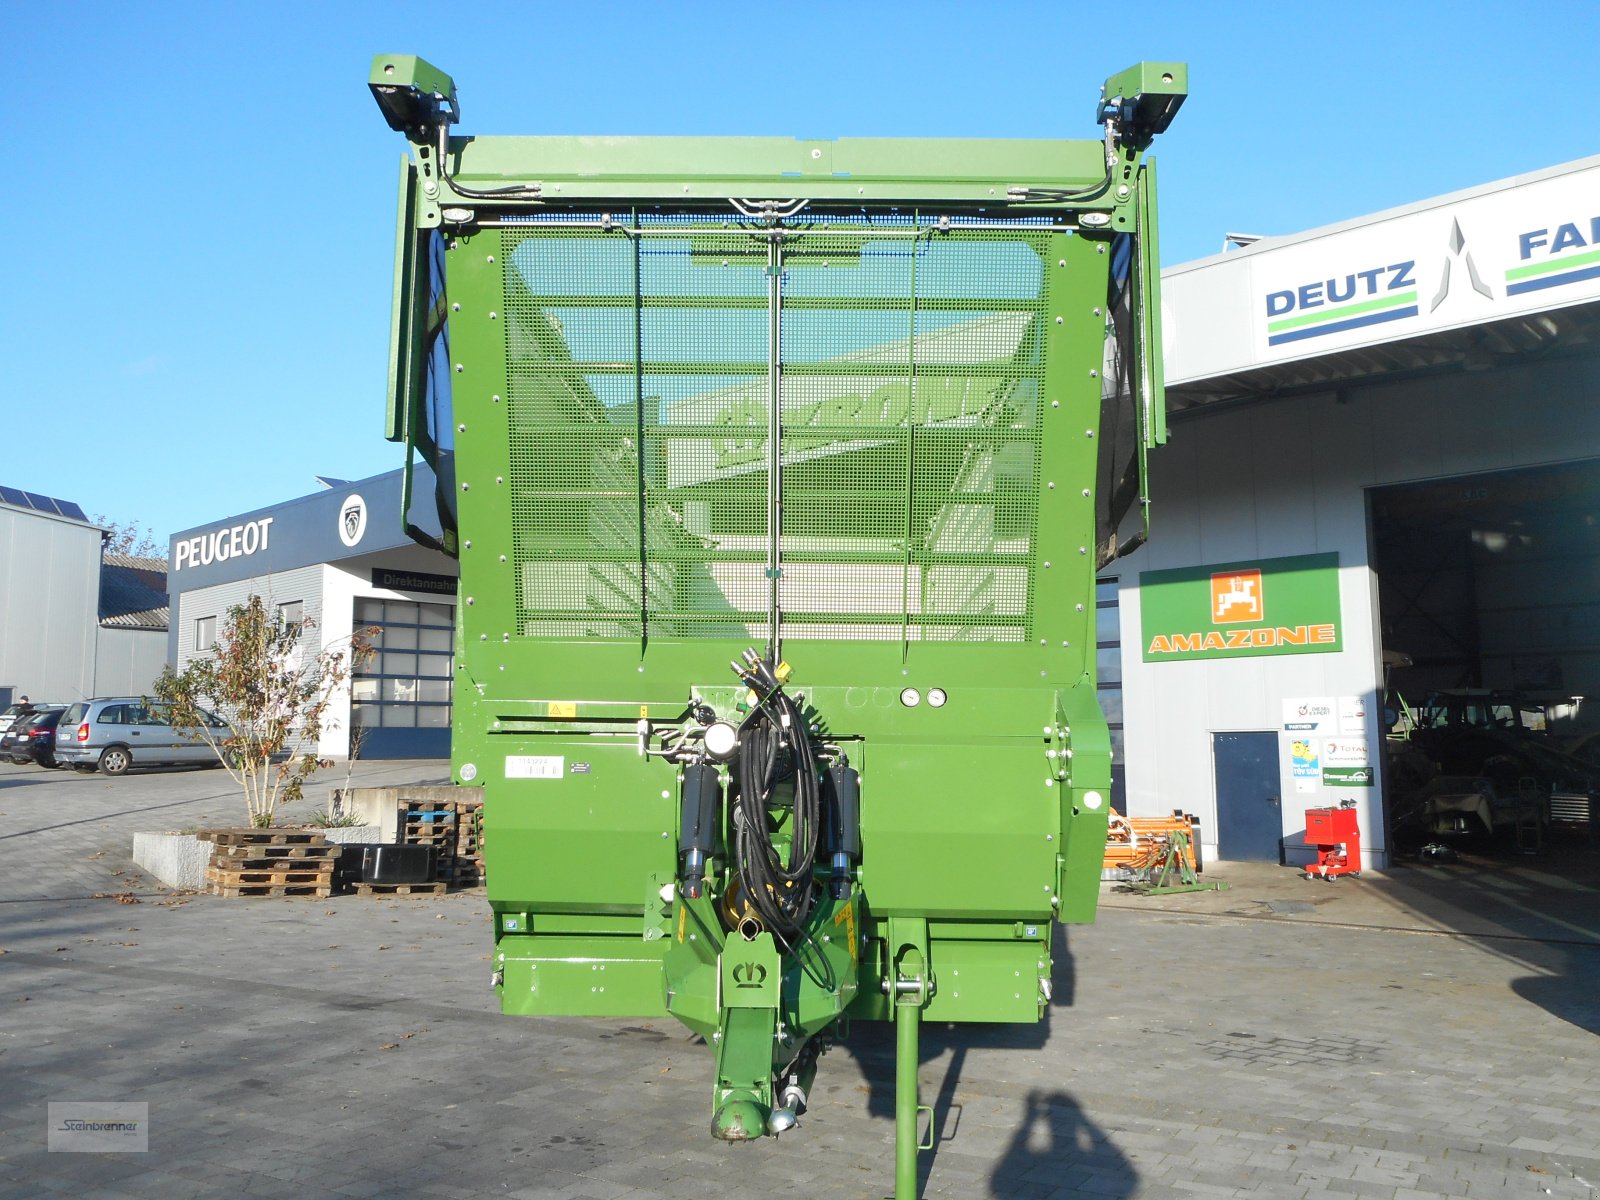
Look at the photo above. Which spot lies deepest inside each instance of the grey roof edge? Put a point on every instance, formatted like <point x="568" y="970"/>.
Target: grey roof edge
<point x="50" y="516"/>
<point x="319" y="496"/>
<point x="156" y="620"/>
<point x="137" y="562"/>
<point x="1274" y="242"/>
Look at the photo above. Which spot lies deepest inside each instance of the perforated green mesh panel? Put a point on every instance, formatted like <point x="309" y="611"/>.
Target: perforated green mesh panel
<point x="911" y="365"/>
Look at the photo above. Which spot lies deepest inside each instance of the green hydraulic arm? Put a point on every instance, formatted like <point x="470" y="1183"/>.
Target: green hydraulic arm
<point x="858" y="419"/>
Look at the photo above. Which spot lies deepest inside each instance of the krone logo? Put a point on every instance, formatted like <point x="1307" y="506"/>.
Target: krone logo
<point x="352" y="520"/>
<point x="749" y="975"/>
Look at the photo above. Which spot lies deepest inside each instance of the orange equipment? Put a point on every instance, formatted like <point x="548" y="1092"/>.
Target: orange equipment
<point x="1139" y="843"/>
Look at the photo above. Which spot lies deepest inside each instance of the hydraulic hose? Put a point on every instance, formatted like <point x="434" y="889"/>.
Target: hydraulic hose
<point x="773" y="746"/>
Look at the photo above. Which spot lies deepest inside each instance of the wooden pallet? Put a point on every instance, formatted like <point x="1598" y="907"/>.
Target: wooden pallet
<point x="454" y="828"/>
<point x="298" y="851"/>
<point x="324" y="863"/>
<point x="252" y="878"/>
<point x="262" y="889"/>
<point x="263" y="837"/>
<point x="459" y="869"/>
<point x="437" y="888"/>
<point x="440" y="827"/>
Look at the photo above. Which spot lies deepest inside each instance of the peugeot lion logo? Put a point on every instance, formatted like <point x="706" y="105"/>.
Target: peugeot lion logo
<point x="352" y="520"/>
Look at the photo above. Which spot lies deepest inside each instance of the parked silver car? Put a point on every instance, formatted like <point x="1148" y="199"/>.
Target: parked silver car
<point x="118" y="732"/>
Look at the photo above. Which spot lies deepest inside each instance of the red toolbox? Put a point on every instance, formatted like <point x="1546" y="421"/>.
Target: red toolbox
<point x="1336" y="837"/>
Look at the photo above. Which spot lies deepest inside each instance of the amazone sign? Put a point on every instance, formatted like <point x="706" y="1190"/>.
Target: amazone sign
<point x="1242" y="610"/>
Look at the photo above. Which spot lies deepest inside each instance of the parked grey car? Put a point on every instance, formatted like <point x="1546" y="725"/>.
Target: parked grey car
<point x="118" y="732"/>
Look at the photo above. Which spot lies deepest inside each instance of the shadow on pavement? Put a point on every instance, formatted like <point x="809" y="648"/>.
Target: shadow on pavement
<point x="1056" y="1145"/>
<point x="100" y="818"/>
<point x="1573" y="998"/>
<point x="1542" y="913"/>
<point x="1539" y="912"/>
<point x="872" y="1046"/>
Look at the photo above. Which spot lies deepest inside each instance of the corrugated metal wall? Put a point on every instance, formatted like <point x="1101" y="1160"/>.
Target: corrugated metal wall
<point x="1289" y="477"/>
<point x="127" y="661"/>
<point x="49" y="605"/>
<point x="303" y="584"/>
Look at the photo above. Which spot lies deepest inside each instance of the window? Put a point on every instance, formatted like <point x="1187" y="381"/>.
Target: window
<point x="205" y="633"/>
<point x="292" y="613"/>
<point x="407" y="681"/>
<point x="1108" y="677"/>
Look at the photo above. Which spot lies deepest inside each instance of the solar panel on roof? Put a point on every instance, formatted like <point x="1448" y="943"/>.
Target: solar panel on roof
<point x="39" y="503"/>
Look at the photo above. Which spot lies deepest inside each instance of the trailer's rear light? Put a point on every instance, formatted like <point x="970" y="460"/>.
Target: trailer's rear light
<point x="83" y="732"/>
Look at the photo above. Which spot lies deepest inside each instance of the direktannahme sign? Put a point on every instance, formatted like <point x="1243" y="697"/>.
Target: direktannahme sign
<point x="1242" y="610"/>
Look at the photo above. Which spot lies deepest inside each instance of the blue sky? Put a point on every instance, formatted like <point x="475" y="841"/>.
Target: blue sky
<point x="201" y="196"/>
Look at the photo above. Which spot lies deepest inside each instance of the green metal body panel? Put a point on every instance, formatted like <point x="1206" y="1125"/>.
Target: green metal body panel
<point x="840" y="401"/>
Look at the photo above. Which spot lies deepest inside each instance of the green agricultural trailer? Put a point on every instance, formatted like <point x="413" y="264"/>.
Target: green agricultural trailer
<point x="779" y="473"/>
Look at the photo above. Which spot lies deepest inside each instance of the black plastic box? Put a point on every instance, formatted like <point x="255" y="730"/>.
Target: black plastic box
<point x="395" y="863"/>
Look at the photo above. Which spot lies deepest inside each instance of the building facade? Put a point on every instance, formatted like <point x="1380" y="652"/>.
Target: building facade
<point x="341" y="560"/>
<point x="75" y="621"/>
<point x="1385" y="441"/>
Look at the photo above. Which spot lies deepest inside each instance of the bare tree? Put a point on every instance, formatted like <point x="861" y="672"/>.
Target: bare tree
<point x="271" y="695"/>
<point x="129" y="537"/>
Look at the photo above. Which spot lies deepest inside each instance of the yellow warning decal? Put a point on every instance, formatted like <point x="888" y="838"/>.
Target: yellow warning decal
<point x="644" y="710"/>
<point x="563" y="708"/>
<point x="847" y="917"/>
<point x="683" y="915"/>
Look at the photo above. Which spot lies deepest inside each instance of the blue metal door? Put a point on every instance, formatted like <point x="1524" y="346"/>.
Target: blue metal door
<point x="1249" y="808"/>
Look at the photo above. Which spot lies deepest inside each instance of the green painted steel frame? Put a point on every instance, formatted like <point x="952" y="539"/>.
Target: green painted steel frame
<point x="983" y="820"/>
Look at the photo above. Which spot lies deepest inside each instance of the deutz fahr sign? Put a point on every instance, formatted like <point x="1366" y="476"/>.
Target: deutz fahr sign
<point x="1242" y="610"/>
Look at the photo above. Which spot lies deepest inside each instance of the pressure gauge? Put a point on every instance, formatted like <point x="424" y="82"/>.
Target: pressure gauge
<point x="936" y="697"/>
<point x="910" y="697"/>
<point x="722" y="740"/>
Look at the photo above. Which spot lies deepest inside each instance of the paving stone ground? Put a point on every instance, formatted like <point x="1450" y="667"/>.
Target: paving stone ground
<point x="1198" y="1047"/>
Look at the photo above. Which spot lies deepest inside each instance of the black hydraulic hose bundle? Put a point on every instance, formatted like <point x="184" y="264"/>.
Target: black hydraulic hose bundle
<point x="773" y="745"/>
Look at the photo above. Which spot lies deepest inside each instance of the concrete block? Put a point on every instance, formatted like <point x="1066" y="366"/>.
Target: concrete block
<point x="341" y="835"/>
<point x="176" y="859"/>
<point x="381" y="806"/>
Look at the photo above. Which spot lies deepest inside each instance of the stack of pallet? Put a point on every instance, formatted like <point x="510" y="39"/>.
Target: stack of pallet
<point x="454" y="828"/>
<point x="270" y="862"/>
<point x="429" y="823"/>
<point x="467" y="868"/>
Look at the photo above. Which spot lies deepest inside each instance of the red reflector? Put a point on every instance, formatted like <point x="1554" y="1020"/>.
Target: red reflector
<point x="83" y="732"/>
